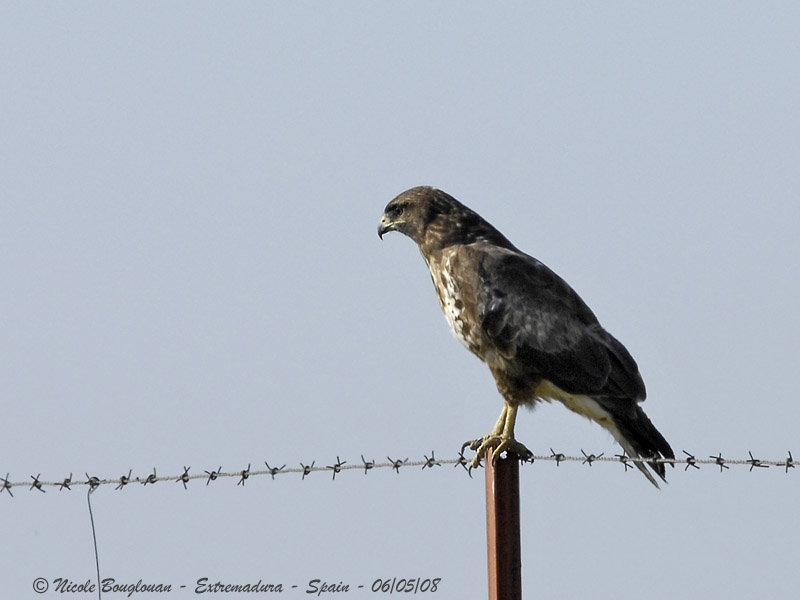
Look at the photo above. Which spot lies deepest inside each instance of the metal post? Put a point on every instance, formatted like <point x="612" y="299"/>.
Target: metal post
<point x="502" y="527"/>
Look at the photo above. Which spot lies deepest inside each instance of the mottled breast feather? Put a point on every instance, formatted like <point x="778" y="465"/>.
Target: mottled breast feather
<point x="457" y="299"/>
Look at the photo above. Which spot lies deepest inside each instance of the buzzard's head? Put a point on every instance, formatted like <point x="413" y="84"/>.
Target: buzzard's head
<point x="434" y="219"/>
<point x="409" y="213"/>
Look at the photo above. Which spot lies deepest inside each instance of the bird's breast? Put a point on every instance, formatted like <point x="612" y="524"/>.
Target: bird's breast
<point x="456" y="302"/>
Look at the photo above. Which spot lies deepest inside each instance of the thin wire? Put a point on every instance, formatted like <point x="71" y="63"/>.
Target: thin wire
<point x="94" y="538"/>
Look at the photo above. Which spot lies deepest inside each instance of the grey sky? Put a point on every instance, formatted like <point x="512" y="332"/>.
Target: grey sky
<point x="192" y="278"/>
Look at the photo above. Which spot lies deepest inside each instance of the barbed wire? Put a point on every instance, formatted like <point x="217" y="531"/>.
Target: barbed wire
<point x="304" y="470"/>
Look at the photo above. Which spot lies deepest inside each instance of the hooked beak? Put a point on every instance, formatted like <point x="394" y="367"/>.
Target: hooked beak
<point x="384" y="226"/>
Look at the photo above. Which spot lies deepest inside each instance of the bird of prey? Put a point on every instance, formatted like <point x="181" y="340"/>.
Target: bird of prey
<point x="537" y="336"/>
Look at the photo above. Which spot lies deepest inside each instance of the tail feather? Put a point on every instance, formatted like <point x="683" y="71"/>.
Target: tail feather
<point x="624" y="419"/>
<point x="636" y="433"/>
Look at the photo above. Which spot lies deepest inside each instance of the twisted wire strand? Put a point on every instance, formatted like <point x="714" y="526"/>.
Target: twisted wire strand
<point x="689" y="460"/>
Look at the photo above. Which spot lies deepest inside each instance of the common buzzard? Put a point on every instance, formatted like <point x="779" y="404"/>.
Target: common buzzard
<point x="536" y="335"/>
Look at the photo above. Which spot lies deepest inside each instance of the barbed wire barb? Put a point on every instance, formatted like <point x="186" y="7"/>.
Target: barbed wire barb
<point x="691" y="461"/>
<point x="720" y="462"/>
<point x="244" y="474"/>
<point x="590" y="458"/>
<point x="754" y="462"/>
<point x="184" y="477"/>
<point x="336" y="467"/>
<point x="396" y="464"/>
<point x="36" y="483"/>
<point x="152" y="478"/>
<point x="462" y="461"/>
<point x="7" y="485"/>
<point x="212" y="475"/>
<point x="124" y="479"/>
<point x="367" y="464"/>
<point x="789" y="462"/>
<point x="623" y="458"/>
<point x="274" y="470"/>
<point x="431" y="462"/>
<point x="307" y="469"/>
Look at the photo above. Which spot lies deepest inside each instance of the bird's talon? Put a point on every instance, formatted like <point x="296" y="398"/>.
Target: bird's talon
<point x="473" y="444"/>
<point x="499" y="444"/>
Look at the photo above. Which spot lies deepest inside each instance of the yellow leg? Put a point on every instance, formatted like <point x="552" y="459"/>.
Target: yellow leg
<point x="500" y="426"/>
<point x="501" y="439"/>
<point x="511" y="420"/>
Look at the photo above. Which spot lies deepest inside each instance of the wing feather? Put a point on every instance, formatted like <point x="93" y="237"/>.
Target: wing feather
<point x="536" y="320"/>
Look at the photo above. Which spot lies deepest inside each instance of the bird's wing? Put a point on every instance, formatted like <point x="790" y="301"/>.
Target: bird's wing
<point x="534" y="318"/>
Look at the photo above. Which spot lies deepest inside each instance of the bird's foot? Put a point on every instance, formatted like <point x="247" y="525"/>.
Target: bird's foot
<point x="499" y="444"/>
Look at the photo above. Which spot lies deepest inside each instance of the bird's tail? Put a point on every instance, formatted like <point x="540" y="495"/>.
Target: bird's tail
<point x="637" y="435"/>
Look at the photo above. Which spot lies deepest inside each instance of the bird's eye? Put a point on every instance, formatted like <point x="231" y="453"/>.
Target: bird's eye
<point x="398" y="211"/>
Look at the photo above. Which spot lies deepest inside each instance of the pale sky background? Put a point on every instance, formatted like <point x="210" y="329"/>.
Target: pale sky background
<point x="192" y="277"/>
